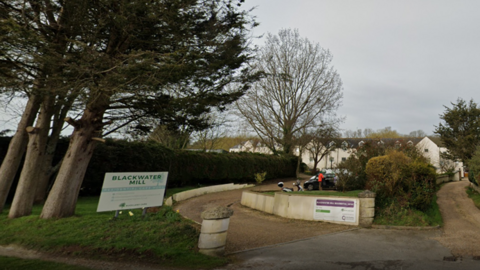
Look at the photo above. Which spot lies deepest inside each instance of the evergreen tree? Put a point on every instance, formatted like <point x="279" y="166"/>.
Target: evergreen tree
<point x="460" y="130"/>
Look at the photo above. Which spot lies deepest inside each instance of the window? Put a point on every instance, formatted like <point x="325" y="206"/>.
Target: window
<point x="344" y="158"/>
<point x="344" y="145"/>
<point x="397" y="144"/>
<point x="426" y="150"/>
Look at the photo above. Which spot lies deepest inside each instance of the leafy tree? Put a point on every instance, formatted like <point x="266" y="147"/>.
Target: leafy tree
<point x="460" y="130"/>
<point x="298" y="92"/>
<point x="124" y="57"/>
<point x="34" y="54"/>
<point x="474" y="167"/>
<point x="384" y="133"/>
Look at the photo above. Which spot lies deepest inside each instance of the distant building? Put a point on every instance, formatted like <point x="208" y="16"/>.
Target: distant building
<point x="208" y="150"/>
<point x="252" y="147"/>
<point x="430" y="147"/>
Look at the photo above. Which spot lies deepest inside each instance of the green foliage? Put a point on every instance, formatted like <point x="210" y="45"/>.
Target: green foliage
<point x="401" y="181"/>
<point x="12" y="263"/>
<point x="186" y="168"/>
<point x="260" y="177"/>
<point x="474" y="195"/>
<point x="395" y="215"/>
<point x="384" y="133"/>
<point x="163" y="237"/>
<point x="474" y="167"/>
<point x="459" y="130"/>
<point x="348" y="174"/>
<point x="385" y="174"/>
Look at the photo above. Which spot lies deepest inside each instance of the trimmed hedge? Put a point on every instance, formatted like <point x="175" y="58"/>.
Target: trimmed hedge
<point x="185" y="167"/>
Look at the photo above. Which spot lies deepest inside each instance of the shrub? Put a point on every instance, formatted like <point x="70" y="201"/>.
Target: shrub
<point x="474" y="167"/>
<point x="260" y="177"/>
<point x="400" y="180"/>
<point x="350" y="175"/>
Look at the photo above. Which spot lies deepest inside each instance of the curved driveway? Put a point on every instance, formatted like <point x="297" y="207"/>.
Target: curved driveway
<point x="461" y="220"/>
<point x="258" y="240"/>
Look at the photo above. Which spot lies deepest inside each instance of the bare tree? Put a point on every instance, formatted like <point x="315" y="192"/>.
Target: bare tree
<point x="321" y="144"/>
<point x="355" y="133"/>
<point x="298" y="90"/>
<point x="208" y="139"/>
<point x="417" y="134"/>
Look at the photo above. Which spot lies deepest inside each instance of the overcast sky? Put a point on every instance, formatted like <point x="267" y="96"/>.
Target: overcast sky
<point x="400" y="61"/>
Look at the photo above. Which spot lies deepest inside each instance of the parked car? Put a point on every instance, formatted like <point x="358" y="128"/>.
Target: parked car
<point x="327" y="183"/>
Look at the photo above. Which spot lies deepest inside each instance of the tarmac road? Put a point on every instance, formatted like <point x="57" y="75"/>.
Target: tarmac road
<point x="356" y="249"/>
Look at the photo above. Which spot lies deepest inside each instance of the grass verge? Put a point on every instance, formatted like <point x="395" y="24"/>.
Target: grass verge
<point x="474" y="195"/>
<point x="394" y="216"/>
<point x="163" y="237"/>
<point x="10" y="263"/>
<point x="353" y="193"/>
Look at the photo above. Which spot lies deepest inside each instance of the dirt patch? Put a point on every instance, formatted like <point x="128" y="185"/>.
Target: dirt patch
<point x="461" y="233"/>
<point x="251" y="228"/>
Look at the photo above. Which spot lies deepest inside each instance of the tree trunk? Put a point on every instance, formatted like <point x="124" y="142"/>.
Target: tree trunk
<point x="299" y="161"/>
<point x="34" y="162"/>
<point x="48" y="169"/>
<point x="62" y="199"/>
<point x="16" y="148"/>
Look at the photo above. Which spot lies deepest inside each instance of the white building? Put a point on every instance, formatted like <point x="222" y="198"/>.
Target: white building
<point x="430" y="147"/>
<point x="253" y="147"/>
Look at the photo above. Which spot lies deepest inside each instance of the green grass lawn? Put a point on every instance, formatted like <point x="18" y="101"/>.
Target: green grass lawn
<point x="9" y="263"/>
<point x="353" y="193"/>
<point x="163" y="237"/>
<point x="409" y="217"/>
<point x="474" y="195"/>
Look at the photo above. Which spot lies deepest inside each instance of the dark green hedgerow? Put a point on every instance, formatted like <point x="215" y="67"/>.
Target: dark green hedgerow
<point x="185" y="168"/>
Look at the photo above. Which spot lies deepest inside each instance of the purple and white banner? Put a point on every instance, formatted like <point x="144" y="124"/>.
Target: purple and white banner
<point x="343" y="210"/>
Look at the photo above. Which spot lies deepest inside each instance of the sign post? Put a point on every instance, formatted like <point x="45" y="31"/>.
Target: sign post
<point x="130" y="190"/>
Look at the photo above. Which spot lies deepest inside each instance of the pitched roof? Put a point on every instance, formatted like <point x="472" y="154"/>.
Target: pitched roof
<point x="437" y="141"/>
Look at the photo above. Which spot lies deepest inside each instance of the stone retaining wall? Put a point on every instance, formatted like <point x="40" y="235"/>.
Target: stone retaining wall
<point x="302" y="206"/>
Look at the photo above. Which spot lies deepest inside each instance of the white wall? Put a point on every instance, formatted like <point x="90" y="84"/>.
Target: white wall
<point x="426" y="146"/>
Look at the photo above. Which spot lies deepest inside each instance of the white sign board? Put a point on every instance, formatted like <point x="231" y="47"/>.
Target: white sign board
<point x="338" y="210"/>
<point x="132" y="190"/>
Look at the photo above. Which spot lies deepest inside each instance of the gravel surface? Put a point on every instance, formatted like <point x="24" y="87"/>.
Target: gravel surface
<point x="461" y="220"/>
<point x="250" y="228"/>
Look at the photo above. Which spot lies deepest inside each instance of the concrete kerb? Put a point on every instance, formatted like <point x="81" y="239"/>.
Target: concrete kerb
<point x="185" y="195"/>
<point x="413" y="228"/>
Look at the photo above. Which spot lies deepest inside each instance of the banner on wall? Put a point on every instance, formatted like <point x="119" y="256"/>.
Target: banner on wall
<point x="337" y="210"/>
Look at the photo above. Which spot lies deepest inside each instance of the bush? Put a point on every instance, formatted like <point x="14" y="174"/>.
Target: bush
<point x="474" y="167"/>
<point x="350" y="175"/>
<point x="260" y="177"/>
<point x="400" y="180"/>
